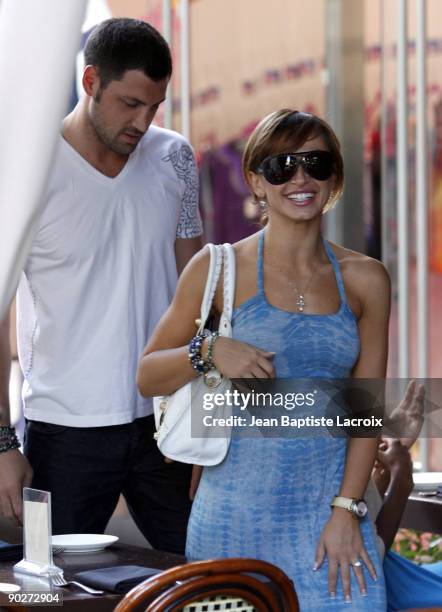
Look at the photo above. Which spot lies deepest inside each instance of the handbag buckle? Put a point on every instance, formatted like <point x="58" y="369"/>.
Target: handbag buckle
<point x="212" y="380"/>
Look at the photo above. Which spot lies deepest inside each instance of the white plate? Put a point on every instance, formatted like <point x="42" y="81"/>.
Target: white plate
<point x="9" y="588"/>
<point x="427" y="481"/>
<point x="81" y="543"/>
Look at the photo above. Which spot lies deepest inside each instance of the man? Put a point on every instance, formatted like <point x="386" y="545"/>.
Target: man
<point x="121" y="217"/>
<point x="409" y="585"/>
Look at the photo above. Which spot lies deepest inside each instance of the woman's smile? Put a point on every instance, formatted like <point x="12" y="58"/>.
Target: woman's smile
<point x="301" y="198"/>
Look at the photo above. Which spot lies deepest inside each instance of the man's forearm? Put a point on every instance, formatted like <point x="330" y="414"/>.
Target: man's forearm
<point x="389" y="518"/>
<point x="5" y="371"/>
<point x="185" y="249"/>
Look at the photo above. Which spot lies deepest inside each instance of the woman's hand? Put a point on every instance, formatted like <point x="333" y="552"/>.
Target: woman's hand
<point x="236" y="359"/>
<point x="341" y="541"/>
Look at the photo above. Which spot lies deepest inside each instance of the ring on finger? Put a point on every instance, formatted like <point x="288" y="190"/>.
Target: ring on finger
<point x="357" y="563"/>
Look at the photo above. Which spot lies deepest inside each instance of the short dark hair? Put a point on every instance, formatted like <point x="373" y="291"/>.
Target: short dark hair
<point x="120" y="44"/>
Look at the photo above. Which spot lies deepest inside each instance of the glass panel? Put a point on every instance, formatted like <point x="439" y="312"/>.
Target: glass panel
<point x="37" y="534"/>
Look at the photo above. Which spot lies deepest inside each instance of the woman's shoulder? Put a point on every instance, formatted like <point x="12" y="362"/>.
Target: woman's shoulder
<point x="247" y="247"/>
<point x="198" y="265"/>
<point x="364" y="277"/>
<point x="245" y="243"/>
<point x="360" y="266"/>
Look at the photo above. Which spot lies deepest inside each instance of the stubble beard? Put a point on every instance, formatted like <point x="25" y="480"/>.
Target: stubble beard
<point x="104" y="134"/>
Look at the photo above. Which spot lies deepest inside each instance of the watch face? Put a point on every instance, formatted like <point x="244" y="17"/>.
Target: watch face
<point x="360" y="508"/>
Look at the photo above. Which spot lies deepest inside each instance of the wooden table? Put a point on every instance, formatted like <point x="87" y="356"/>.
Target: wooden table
<point x="423" y="513"/>
<point x="73" y="598"/>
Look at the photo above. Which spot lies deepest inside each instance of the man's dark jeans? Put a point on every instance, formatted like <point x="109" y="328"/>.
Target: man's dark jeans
<point x="86" y="469"/>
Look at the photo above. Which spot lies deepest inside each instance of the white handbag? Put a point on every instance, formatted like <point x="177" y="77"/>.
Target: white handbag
<point x="179" y="438"/>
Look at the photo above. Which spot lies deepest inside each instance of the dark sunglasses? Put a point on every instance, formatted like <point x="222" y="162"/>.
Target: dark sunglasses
<point x="279" y="169"/>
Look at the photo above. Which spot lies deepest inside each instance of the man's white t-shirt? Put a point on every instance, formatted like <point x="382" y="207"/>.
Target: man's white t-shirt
<point x="100" y="274"/>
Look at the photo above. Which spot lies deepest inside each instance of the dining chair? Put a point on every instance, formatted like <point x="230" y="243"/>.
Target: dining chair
<point x="237" y="585"/>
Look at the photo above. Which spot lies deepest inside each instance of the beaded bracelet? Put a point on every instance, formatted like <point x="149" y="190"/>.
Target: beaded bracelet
<point x="197" y="361"/>
<point x="195" y="358"/>
<point x="8" y="439"/>
<point x="209" y="358"/>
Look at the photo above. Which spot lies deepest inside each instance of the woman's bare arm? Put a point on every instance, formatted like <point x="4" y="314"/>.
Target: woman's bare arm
<point x="341" y="538"/>
<point x="164" y="366"/>
<point x="372" y="363"/>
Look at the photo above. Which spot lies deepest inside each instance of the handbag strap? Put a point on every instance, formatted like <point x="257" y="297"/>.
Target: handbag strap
<point x="215" y="264"/>
<point x="225" y="324"/>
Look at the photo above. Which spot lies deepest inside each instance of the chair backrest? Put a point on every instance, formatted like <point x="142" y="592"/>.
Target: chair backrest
<point x="423" y="610"/>
<point x="238" y="585"/>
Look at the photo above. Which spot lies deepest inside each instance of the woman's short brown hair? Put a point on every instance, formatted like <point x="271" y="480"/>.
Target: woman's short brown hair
<point x="285" y="131"/>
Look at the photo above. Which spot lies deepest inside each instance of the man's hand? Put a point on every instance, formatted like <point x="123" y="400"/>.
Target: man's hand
<point x="407" y="417"/>
<point x="393" y="461"/>
<point x="381" y="477"/>
<point x="394" y="456"/>
<point x="15" y="473"/>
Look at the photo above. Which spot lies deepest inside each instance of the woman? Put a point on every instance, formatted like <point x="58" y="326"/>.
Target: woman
<point x="303" y="308"/>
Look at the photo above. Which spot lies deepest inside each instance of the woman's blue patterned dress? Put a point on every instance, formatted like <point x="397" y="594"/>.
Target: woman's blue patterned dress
<point x="270" y="498"/>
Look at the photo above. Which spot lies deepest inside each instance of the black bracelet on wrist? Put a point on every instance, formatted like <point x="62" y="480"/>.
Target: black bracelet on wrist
<point x="8" y="438"/>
